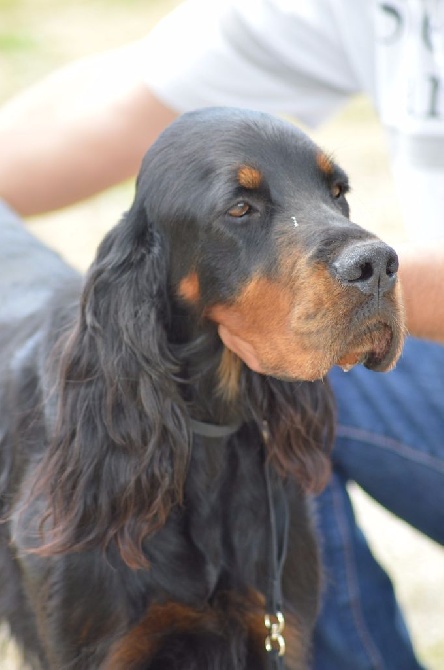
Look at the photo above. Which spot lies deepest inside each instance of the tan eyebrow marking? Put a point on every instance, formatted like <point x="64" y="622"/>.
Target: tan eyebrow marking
<point x="189" y="288"/>
<point x="324" y="163"/>
<point x="249" y="177"/>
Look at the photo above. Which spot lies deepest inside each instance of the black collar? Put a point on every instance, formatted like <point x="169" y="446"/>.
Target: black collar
<point x="213" y="429"/>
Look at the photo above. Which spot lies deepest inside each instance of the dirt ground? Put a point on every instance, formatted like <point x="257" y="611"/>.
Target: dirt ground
<point x="355" y="139"/>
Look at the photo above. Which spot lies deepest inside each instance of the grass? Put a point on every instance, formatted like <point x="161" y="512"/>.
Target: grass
<point x="37" y="36"/>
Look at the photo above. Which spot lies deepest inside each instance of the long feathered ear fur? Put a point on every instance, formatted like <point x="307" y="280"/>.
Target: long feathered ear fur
<point x="299" y="430"/>
<point x="118" y="459"/>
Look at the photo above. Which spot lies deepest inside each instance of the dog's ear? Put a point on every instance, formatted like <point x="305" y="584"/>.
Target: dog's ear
<point x="118" y="458"/>
<point x="301" y="432"/>
<point x="299" y="428"/>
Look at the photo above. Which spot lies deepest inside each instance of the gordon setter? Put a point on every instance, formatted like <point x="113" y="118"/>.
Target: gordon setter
<point x="153" y="487"/>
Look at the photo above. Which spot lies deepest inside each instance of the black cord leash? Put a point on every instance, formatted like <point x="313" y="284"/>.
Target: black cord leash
<point x="279" y="522"/>
<point x="278" y="514"/>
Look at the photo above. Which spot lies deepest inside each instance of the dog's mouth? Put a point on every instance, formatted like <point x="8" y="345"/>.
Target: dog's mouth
<point x="375" y="347"/>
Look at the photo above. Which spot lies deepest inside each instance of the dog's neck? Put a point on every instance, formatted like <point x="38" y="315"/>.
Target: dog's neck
<point x="202" y="357"/>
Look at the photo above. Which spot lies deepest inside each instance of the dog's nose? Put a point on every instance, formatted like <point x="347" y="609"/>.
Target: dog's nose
<point x="370" y="266"/>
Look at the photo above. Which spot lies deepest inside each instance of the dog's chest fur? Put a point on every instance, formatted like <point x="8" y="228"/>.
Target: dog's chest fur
<point x="220" y="531"/>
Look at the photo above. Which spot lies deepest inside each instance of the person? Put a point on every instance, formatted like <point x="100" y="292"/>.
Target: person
<point x="87" y="127"/>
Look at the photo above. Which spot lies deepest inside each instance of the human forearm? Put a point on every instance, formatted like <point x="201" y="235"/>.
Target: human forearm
<point x="80" y="131"/>
<point x="422" y="279"/>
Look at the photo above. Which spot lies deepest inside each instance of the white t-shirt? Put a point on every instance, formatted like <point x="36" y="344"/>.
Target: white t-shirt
<point x="305" y="58"/>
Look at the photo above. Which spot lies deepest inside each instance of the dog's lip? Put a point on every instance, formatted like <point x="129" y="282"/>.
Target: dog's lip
<point x="350" y="359"/>
<point x="373" y="347"/>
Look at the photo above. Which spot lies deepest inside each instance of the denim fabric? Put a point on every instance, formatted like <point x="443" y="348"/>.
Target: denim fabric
<point x="390" y="440"/>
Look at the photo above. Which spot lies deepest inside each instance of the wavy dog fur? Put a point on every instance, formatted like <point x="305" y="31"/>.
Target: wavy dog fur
<point x="131" y="543"/>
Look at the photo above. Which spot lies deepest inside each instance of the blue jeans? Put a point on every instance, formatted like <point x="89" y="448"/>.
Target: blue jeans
<point x="390" y="440"/>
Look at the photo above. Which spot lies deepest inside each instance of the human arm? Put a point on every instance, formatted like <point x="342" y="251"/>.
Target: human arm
<point x="87" y="127"/>
<point x="79" y="131"/>
<point x="422" y="281"/>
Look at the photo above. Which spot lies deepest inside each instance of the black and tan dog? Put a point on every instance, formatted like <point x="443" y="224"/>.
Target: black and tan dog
<point x="132" y="449"/>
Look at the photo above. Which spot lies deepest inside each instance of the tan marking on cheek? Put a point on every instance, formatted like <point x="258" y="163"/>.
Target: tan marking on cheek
<point x="321" y="303"/>
<point x="260" y="316"/>
<point x="293" y="323"/>
<point x="263" y="305"/>
<point x="324" y="163"/>
<point x="249" y="177"/>
<point x="189" y="288"/>
<point x="229" y="373"/>
<point x="318" y="299"/>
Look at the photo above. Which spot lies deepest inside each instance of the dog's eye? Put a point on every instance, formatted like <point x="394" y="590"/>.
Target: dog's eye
<point x="239" y="210"/>
<point x="337" y="190"/>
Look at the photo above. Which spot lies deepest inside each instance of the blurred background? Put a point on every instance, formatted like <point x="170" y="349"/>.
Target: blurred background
<point x="37" y="36"/>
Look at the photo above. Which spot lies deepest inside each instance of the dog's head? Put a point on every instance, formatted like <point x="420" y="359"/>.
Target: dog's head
<point x="257" y="224"/>
<point x="238" y="220"/>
